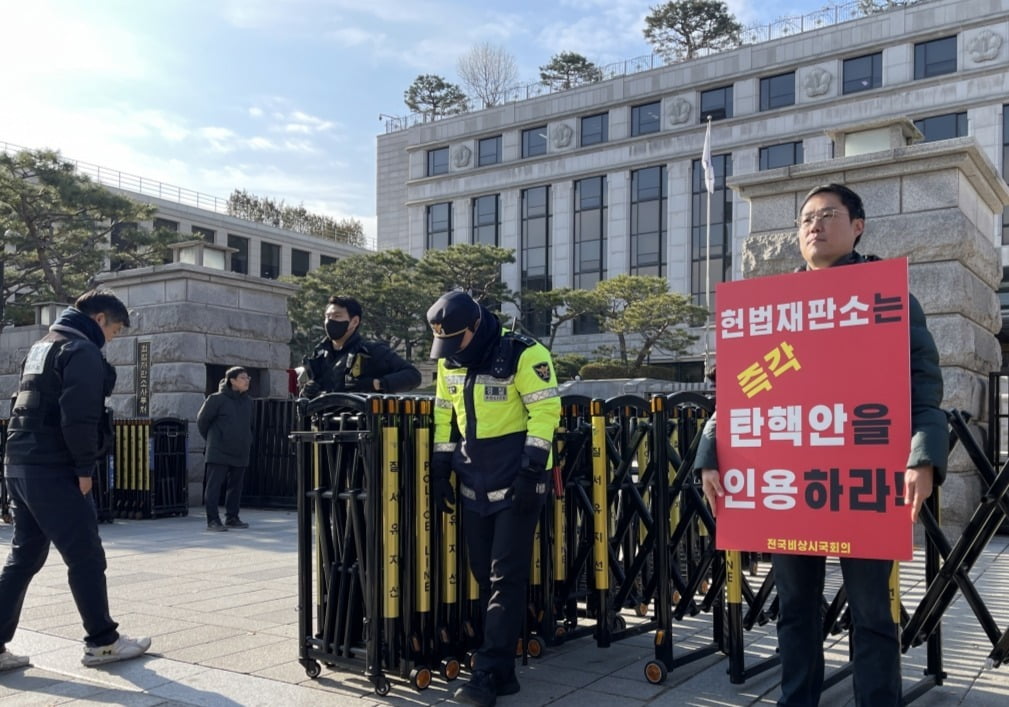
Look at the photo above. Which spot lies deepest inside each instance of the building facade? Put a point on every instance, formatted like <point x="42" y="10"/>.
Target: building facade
<point x="257" y="249"/>
<point x="607" y="178"/>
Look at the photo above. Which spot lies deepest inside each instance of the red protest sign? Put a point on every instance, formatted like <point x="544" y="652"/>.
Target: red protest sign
<point x="814" y="412"/>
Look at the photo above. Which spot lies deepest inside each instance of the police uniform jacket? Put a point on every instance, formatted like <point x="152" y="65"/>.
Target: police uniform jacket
<point x="506" y="410"/>
<point x="225" y="421"/>
<point x="338" y="370"/>
<point x="929" y="434"/>
<point x="58" y="420"/>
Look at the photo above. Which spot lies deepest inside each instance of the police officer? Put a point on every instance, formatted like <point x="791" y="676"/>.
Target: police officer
<point x="343" y="361"/>
<point x="503" y="390"/>
<point x="54" y="437"/>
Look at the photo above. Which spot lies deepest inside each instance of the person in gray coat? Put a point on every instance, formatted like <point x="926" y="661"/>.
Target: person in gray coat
<point x="225" y="421"/>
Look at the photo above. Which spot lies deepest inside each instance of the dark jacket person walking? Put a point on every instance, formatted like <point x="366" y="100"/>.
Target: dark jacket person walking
<point x="54" y="437"/>
<point x="225" y="421"/>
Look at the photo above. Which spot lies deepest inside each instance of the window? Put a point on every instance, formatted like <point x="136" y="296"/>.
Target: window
<point x="239" y="259"/>
<point x="717" y="103"/>
<point x="206" y="234"/>
<point x="935" y="58"/>
<point x="534" y="141"/>
<point x="595" y="129"/>
<point x="489" y="151"/>
<point x="535" y="253"/>
<point x="777" y="91"/>
<point x="783" y="155"/>
<point x="163" y="224"/>
<point x="326" y="260"/>
<point x="486" y="220"/>
<point x="439" y="226"/>
<point x="269" y="260"/>
<point x="862" y="73"/>
<point x="648" y="221"/>
<point x="589" y="242"/>
<point x="1003" y="290"/>
<point x="437" y="161"/>
<point x="299" y="262"/>
<point x="646" y="119"/>
<point x="720" y="266"/>
<point x="943" y="127"/>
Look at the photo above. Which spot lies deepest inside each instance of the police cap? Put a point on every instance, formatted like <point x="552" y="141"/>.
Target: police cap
<point x="450" y="317"/>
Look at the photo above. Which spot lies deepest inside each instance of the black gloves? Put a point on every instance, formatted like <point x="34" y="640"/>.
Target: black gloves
<point x="441" y="482"/>
<point x="363" y="385"/>
<point x="529" y="490"/>
<point x="311" y="389"/>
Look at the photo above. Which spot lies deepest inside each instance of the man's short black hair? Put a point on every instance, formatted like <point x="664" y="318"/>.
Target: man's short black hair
<point x="233" y="373"/>
<point x="352" y="306"/>
<point x="852" y="201"/>
<point x="99" y="301"/>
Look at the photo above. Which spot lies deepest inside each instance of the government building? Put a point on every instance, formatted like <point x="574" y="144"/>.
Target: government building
<point x="606" y="178"/>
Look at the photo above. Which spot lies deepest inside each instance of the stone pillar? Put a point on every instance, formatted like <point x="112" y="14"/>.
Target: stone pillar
<point x="936" y="204"/>
<point x="191" y="317"/>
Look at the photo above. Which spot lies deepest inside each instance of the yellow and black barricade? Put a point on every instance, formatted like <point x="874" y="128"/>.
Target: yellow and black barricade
<point x="5" y="502"/>
<point x="625" y="544"/>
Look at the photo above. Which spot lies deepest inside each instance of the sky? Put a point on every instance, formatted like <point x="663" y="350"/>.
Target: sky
<point x="281" y="98"/>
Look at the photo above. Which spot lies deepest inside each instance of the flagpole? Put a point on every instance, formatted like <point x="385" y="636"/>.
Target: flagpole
<point x="708" y="179"/>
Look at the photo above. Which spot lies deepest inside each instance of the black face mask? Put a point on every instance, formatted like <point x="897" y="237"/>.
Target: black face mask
<point x="335" y="330"/>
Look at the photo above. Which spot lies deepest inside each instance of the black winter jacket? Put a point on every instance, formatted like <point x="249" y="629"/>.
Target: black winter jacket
<point x="353" y="367"/>
<point x="225" y="421"/>
<point x="57" y="417"/>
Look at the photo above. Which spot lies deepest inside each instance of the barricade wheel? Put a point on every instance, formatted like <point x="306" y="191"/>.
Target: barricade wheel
<point x="619" y="623"/>
<point x="313" y="669"/>
<point x="519" y="651"/>
<point x="449" y="669"/>
<point x="420" y="678"/>
<point x="560" y="633"/>
<point x="382" y="686"/>
<point x="535" y="647"/>
<point x="470" y="659"/>
<point x="655" y="672"/>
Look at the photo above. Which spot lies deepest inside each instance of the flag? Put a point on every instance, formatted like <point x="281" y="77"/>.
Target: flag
<point x="709" y="169"/>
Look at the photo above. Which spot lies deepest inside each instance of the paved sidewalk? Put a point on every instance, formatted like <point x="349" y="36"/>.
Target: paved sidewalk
<point x="222" y="610"/>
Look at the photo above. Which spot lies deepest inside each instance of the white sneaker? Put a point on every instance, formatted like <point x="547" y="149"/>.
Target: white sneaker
<point x="123" y="649"/>
<point x="9" y="661"/>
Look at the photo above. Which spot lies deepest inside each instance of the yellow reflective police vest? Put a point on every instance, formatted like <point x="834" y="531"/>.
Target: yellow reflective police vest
<point x="503" y="423"/>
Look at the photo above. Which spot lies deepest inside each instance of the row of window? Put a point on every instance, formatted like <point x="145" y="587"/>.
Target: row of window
<point x="932" y="58"/>
<point x="269" y="253"/>
<point x="710" y="252"/>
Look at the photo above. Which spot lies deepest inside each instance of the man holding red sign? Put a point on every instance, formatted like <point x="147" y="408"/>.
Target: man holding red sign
<point x="831" y="222"/>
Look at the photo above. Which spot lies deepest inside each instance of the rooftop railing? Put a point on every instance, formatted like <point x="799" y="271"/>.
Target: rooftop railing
<point x="756" y="34"/>
<point x="109" y="177"/>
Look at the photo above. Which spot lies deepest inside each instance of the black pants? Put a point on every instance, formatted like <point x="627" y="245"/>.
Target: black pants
<point x="500" y="549"/>
<point x="875" y="641"/>
<point x="53" y="510"/>
<point x="217" y="474"/>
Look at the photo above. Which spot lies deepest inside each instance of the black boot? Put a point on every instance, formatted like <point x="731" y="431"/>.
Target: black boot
<point x="479" y="691"/>
<point x="507" y="685"/>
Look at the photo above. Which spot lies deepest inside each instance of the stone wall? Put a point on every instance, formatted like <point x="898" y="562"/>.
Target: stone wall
<point x="192" y="317"/>
<point x="935" y="204"/>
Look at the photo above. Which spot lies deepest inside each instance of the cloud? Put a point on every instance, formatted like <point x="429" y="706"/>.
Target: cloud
<point x="357" y="37"/>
